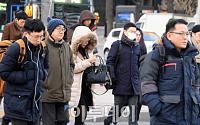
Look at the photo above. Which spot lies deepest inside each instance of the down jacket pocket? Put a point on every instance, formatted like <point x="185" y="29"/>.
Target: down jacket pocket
<point x="19" y="103"/>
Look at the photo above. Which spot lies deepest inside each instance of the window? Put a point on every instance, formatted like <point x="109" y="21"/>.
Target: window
<point x="3" y="20"/>
<point x="190" y="26"/>
<point x="116" y="34"/>
<point x="139" y="25"/>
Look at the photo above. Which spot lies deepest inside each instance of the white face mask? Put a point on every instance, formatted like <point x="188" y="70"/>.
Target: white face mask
<point x="131" y="36"/>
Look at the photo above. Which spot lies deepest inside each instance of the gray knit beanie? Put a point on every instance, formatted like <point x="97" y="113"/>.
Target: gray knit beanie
<point x="53" y="23"/>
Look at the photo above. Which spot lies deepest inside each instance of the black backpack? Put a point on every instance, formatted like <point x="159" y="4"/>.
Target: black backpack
<point x="162" y="54"/>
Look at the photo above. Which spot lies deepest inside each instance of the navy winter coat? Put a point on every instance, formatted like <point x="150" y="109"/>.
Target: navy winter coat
<point x="172" y="94"/>
<point x="126" y="70"/>
<point x="22" y="94"/>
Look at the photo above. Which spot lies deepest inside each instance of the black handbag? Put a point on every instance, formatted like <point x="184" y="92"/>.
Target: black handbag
<point x="97" y="74"/>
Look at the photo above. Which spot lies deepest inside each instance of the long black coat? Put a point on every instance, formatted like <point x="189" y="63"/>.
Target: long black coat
<point x="22" y="94"/>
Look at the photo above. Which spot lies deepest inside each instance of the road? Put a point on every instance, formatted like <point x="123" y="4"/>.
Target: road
<point x="100" y="34"/>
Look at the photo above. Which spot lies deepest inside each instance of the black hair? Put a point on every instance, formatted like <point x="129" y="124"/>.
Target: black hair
<point x="172" y="22"/>
<point x="34" y="25"/>
<point x="126" y="26"/>
<point x="20" y="14"/>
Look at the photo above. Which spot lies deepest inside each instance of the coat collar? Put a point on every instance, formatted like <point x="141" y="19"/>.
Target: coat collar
<point x="52" y="41"/>
<point x="172" y="50"/>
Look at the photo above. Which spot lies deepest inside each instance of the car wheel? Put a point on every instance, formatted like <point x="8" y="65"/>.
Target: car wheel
<point x="106" y="54"/>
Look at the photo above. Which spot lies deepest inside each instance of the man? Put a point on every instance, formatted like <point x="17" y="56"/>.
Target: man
<point x="171" y="91"/>
<point x="86" y="19"/>
<point x="195" y="40"/>
<point x="22" y="94"/>
<point x="125" y="74"/>
<point x="57" y="86"/>
<point x="14" y="30"/>
<point x="64" y="19"/>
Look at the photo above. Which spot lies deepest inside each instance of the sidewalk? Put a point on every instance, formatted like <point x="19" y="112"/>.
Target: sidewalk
<point x="98" y="113"/>
<point x="103" y="103"/>
<point x="101" y="123"/>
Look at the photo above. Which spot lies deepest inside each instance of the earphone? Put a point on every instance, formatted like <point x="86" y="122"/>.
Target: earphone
<point x="36" y="63"/>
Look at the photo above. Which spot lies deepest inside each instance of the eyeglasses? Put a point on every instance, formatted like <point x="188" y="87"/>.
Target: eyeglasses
<point x="182" y="34"/>
<point x="60" y="29"/>
<point x="37" y="37"/>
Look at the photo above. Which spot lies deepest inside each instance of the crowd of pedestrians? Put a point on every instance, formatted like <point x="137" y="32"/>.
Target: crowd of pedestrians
<point x="51" y="79"/>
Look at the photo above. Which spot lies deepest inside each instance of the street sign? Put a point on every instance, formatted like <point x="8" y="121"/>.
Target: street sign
<point x="29" y="10"/>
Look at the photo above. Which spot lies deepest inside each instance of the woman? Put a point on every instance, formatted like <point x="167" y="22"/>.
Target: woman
<point x="140" y="40"/>
<point x="195" y="39"/>
<point x="83" y="43"/>
<point x="143" y="51"/>
<point x="86" y="19"/>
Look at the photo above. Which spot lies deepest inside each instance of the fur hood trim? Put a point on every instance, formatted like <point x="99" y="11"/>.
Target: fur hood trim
<point x="160" y="41"/>
<point x="81" y="34"/>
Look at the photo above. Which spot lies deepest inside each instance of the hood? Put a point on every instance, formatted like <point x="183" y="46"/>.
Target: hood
<point x="83" y="33"/>
<point x="160" y="41"/>
<point x="86" y="14"/>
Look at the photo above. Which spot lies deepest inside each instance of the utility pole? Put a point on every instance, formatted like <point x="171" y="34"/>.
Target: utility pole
<point x="109" y="15"/>
<point x="47" y="9"/>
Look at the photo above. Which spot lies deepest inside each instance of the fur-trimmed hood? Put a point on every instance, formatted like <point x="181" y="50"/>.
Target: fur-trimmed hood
<point x="160" y="41"/>
<point x="83" y="33"/>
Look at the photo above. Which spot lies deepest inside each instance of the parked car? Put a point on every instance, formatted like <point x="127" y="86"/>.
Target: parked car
<point x="150" y="38"/>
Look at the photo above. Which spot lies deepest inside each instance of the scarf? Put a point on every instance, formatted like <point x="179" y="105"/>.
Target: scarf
<point x="59" y="43"/>
<point x="127" y="40"/>
<point x="20" y="29"/>
<point x="197" y="45"/>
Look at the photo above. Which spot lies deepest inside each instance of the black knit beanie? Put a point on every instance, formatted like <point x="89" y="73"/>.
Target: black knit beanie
<point x="196" y="28"/>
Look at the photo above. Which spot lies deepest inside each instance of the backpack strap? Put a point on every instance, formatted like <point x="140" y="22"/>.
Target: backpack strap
<point x="22" y="50"/>
<point x="162" y="53"/>
<point x="118" y="52"/>
<point x="44" y="48"/>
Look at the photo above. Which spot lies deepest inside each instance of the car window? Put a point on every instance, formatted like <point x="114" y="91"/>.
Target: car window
<point x="116" y="34"/>
<point x="150" y="36"/>
<point x="190" y="26"/>
<point x="139" y="25"/>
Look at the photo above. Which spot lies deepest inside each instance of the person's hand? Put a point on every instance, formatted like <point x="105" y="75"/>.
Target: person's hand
<point x="92" y="59"/>
<point x="102" y="84"/>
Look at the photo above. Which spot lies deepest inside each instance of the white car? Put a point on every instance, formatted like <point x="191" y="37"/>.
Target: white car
<point x="149" y="36"/>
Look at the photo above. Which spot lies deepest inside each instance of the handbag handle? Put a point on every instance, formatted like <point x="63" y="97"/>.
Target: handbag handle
<point x="101" y="60"/>
<point x="95" y="92"/>
<point x="100" y="64"/>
